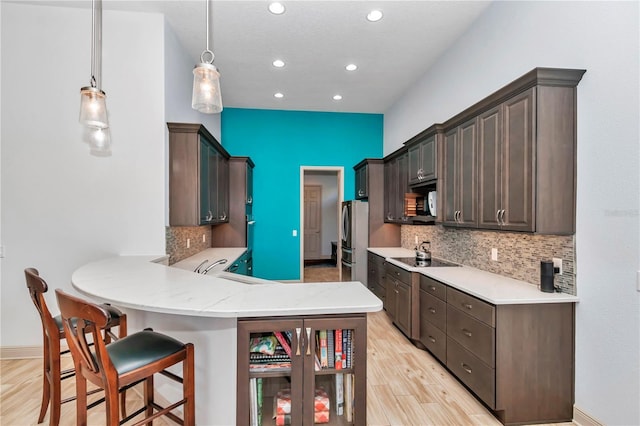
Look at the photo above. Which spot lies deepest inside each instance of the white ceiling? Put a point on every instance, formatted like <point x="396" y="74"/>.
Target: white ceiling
<point x="316" y="39"/>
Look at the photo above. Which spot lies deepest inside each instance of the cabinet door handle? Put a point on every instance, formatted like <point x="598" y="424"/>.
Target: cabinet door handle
<point x="498" y="216"/>
<point x="466" y="368"/>
<point x="360" y="192"/>
<point x="502" y="217"/>
<point x="433" y="311"/>
<point x="466" y="332"/>
<point x="298" y="344"/>
<point x="308" y="341"/>
<point x="467" y="305"/>
<point x="432" y="339"/>
<point x="250" y="200"/>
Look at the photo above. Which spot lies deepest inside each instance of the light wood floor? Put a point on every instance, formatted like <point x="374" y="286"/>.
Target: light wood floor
<point x="405" y="386"/>
<point x="321" y="274"/>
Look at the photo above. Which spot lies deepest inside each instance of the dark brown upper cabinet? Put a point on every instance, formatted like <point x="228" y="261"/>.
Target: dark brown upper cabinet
<point x="422" y="151"/>
<point x="396" y="184"/>
<point x="522" y="141"/>
<point x="198" y="177"/>
<point x="459" y="194"/>
<point x="362" y="180"/>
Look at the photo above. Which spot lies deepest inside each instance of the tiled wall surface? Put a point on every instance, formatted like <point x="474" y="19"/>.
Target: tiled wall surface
<point x="519" y="254"/>
<point x="177" y="236"/>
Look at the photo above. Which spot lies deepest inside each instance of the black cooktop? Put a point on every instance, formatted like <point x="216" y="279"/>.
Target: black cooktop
<point x="413" y="262"/>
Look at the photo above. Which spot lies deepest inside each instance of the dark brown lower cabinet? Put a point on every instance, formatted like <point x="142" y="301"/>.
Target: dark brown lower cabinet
<point x="295" y="388"/>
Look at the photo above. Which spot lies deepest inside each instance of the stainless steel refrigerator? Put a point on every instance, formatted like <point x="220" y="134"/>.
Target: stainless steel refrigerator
<point x="355" y="240"/>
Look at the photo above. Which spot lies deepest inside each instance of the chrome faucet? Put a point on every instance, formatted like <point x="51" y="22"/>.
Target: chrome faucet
<point x="197" y="270"/>
<point x="214" y="264"/>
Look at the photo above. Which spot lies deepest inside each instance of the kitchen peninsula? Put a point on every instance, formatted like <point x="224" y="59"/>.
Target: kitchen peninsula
<point x="205" y="309"/>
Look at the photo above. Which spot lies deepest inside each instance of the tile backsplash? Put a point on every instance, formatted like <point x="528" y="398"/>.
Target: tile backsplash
<point x="519" y="254"/>
<point x="177" y="236"/>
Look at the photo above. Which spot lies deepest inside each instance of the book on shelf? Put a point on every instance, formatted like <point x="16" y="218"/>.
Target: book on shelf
<point x="259" y="399"/>
<point x="348" y="398"/>
<point x="339" y="394"/>
<point x="331" y="358"/>
<point x="338" y="349"/>
<point x="283" y="342"/>
<point x="253" y="402"/>
<point x="324" y="356"/>
<point x="349" y="348"/>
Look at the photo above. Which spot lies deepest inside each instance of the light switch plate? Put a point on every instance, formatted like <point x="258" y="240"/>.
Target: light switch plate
<point x="294" y="233"/>
<point x="494" y="254"/>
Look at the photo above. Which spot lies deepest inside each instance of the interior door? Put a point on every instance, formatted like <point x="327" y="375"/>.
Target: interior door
<point x="312" y="221"/>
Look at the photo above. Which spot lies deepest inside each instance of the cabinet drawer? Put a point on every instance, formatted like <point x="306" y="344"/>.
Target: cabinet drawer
<point x="477" y="308"/>
<point x="433" y="287"/>
<point x="433" y="310"/>
<point x="398" y="273"/>
<point x="379" y="291"/>
<point x="434" y="339"/>
<point x="472" y="372"/>
<point x="474" y="335"/>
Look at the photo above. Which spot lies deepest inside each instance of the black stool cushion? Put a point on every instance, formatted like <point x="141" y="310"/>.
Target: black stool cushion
<point x="114" y="313"/>
<point x="140" y="349"/>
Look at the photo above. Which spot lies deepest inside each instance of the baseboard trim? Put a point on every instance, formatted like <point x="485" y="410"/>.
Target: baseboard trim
<point x="20" y="352"/>
<point x="583" y="419"/>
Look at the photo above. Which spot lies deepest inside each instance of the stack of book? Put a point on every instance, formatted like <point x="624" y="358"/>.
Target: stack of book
<point x="270" y="353"/>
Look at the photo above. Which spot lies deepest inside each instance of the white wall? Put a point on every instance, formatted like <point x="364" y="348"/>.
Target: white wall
<point x="62" y="207"/>
<point x="329" y="183"/>
<point x="508" y="40"/>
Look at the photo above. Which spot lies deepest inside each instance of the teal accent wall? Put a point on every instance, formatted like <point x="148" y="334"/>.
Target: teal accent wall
<point x="279" y="142"/>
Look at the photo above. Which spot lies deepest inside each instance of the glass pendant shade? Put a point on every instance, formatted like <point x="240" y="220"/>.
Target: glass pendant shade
<point x="99" y="141"/>
<point x="93" y="108"/>
<point x="206" y="89"/>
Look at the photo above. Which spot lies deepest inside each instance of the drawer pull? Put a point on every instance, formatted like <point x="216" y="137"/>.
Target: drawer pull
<point x="298" y="343"/>
<point x="308" y="340"/>
<point x="466" y="368"/>
<point x="467" y="305"/>
<point x="432" y="288"/>
<point x="466" y="332"/>
<point x="432" y="339"/>
<point x="433" y="311"/>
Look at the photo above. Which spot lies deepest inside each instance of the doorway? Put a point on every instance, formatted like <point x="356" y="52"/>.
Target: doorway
<point x="321" y="196"/>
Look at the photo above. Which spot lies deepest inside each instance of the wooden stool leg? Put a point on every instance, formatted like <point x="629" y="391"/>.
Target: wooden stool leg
<point x="188" y="385"/>
<point x="122" y="332"/>
<point x="55" y="386"/>
<point x="111" y="396"/>
<point x="148" y="397"/>
<point x="81" y="400"/>
<point x="46" y="386"/>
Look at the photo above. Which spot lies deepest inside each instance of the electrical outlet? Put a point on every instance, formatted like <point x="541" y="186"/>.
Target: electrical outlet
<point x="204" y="238"/>
<point x="557" y="263"/>
<point x="494" y="254"/>
<point x="188" y="242"/>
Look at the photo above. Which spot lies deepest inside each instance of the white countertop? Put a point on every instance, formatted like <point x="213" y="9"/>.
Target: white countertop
<point x="137" y="282"/>
<point x="493" y="288"/>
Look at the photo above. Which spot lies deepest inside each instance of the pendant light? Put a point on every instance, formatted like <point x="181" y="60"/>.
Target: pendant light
<point x="206" y="81"/>
<point x="93" y="106"/>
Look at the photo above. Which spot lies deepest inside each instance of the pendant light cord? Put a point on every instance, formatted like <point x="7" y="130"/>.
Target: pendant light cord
<point x="93" y="43"/>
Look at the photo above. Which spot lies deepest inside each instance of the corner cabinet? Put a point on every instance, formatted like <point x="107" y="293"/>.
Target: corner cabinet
<point x="198" y="177"/>
<point x="302" y="370"/>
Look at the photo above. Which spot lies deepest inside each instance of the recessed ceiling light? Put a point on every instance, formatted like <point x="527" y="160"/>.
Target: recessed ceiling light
<point x="276" y="8"/>
<point x="351" y="67"/>
<point x="278" y="63"/>
<point x="374" y="15"/>
<point x="337" y="97"/>
<point x="279" y="95"/>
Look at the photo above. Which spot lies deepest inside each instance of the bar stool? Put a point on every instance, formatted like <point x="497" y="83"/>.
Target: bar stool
<point x="53" y="333"/>
<point x="124" y="363"/>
